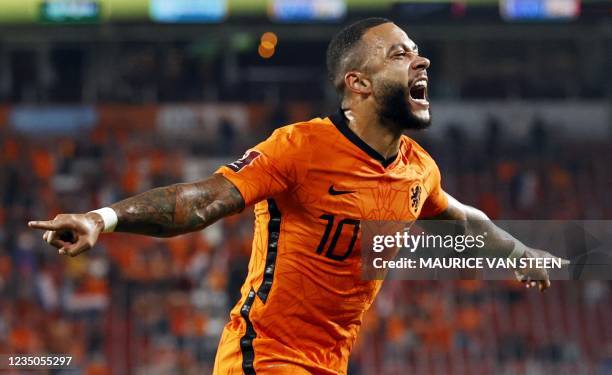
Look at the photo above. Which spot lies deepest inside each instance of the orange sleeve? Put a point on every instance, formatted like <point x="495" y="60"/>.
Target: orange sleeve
<point x="436" y="202"/>
<point x="275" y="165"/>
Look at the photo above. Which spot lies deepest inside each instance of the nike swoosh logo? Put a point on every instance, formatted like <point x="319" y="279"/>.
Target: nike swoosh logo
<point x="332" y="191"/>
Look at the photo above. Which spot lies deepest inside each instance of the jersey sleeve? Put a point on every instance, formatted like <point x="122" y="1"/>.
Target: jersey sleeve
<point x="436" y="201"/>
<point x="275" y="165"/>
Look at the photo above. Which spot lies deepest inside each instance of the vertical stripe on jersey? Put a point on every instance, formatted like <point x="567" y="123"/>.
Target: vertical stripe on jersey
<point x="246" y="341"/>
<point x="273" y="236"/>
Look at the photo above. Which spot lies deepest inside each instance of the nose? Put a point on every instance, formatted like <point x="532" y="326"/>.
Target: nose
<point x="421" y="63"/>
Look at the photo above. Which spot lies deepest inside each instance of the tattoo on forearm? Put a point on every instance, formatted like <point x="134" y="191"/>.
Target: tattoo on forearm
<point x="180" y="208"/>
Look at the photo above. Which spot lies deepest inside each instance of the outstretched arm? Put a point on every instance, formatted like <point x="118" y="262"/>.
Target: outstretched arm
<point x="177" y="209"/>
<point x="473" y="221"/>
<point x="161" y="212"/>
<point x="499" y="242"/>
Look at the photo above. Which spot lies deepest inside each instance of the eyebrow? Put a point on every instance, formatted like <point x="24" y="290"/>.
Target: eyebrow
<point x="412" y="48"/>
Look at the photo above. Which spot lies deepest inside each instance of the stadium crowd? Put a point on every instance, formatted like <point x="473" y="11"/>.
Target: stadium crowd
<point x="158" y="306"/>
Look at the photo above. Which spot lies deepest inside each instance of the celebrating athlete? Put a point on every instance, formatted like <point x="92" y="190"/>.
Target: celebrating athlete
<point x="312" y="184"/>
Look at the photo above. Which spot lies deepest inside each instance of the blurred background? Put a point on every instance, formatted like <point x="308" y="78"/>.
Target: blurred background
<point x="102" y="99"/>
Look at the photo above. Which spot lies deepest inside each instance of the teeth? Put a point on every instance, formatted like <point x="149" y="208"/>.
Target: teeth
<point x="421" y="84"/>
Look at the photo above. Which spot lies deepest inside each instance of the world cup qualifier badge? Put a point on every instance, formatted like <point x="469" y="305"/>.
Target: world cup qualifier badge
<point x="245" y="160"/>
<point x="416" y="189"/>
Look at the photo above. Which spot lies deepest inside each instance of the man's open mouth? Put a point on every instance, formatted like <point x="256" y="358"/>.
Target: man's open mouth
<point x="418" y="92"/>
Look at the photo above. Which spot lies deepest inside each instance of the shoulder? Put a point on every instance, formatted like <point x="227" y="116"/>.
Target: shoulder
<point x="301" y="133"/>
<point x="417" y="151"/>
<point x="305" y="127"/>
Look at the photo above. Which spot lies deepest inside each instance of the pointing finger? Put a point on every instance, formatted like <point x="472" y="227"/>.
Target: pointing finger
<point x="48" y="225"/>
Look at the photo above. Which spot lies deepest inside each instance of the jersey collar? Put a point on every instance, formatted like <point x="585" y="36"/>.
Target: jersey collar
<point x="341" y="123"/>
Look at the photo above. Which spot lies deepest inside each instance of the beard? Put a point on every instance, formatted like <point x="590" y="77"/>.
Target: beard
<point x="394" y="108"/>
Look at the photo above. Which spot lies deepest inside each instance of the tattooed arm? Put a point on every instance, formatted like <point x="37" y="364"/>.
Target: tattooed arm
<point x="162" y="212"/>
<point x="498" y="242"/>
<point x="177" y="209"/>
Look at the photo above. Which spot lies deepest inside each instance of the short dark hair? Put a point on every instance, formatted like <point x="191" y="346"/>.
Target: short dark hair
<point x="342" y="44"/>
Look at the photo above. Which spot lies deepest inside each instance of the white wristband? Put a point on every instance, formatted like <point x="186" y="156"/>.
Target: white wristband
<point x="519" y="250"/>
<point x="109" y="217"/>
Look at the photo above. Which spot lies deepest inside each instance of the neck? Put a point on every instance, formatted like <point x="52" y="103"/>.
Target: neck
<point x="383" y="138"/>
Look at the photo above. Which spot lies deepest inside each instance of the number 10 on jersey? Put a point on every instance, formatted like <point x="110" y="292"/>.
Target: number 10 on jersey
<point x="341" y="225"/>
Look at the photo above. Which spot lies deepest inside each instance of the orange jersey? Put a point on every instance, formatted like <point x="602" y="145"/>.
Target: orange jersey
<point x="312" y="184"/>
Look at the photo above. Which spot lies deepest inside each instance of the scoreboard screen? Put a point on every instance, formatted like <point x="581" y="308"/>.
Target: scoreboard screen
<point x="539" y="9"/>
<point x="307" y="10"/>
<point x="188" y="10"/>
<point x="69" y="11"/>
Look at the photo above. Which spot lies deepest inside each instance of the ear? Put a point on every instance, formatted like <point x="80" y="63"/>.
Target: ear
<point x="358" y="83"/>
